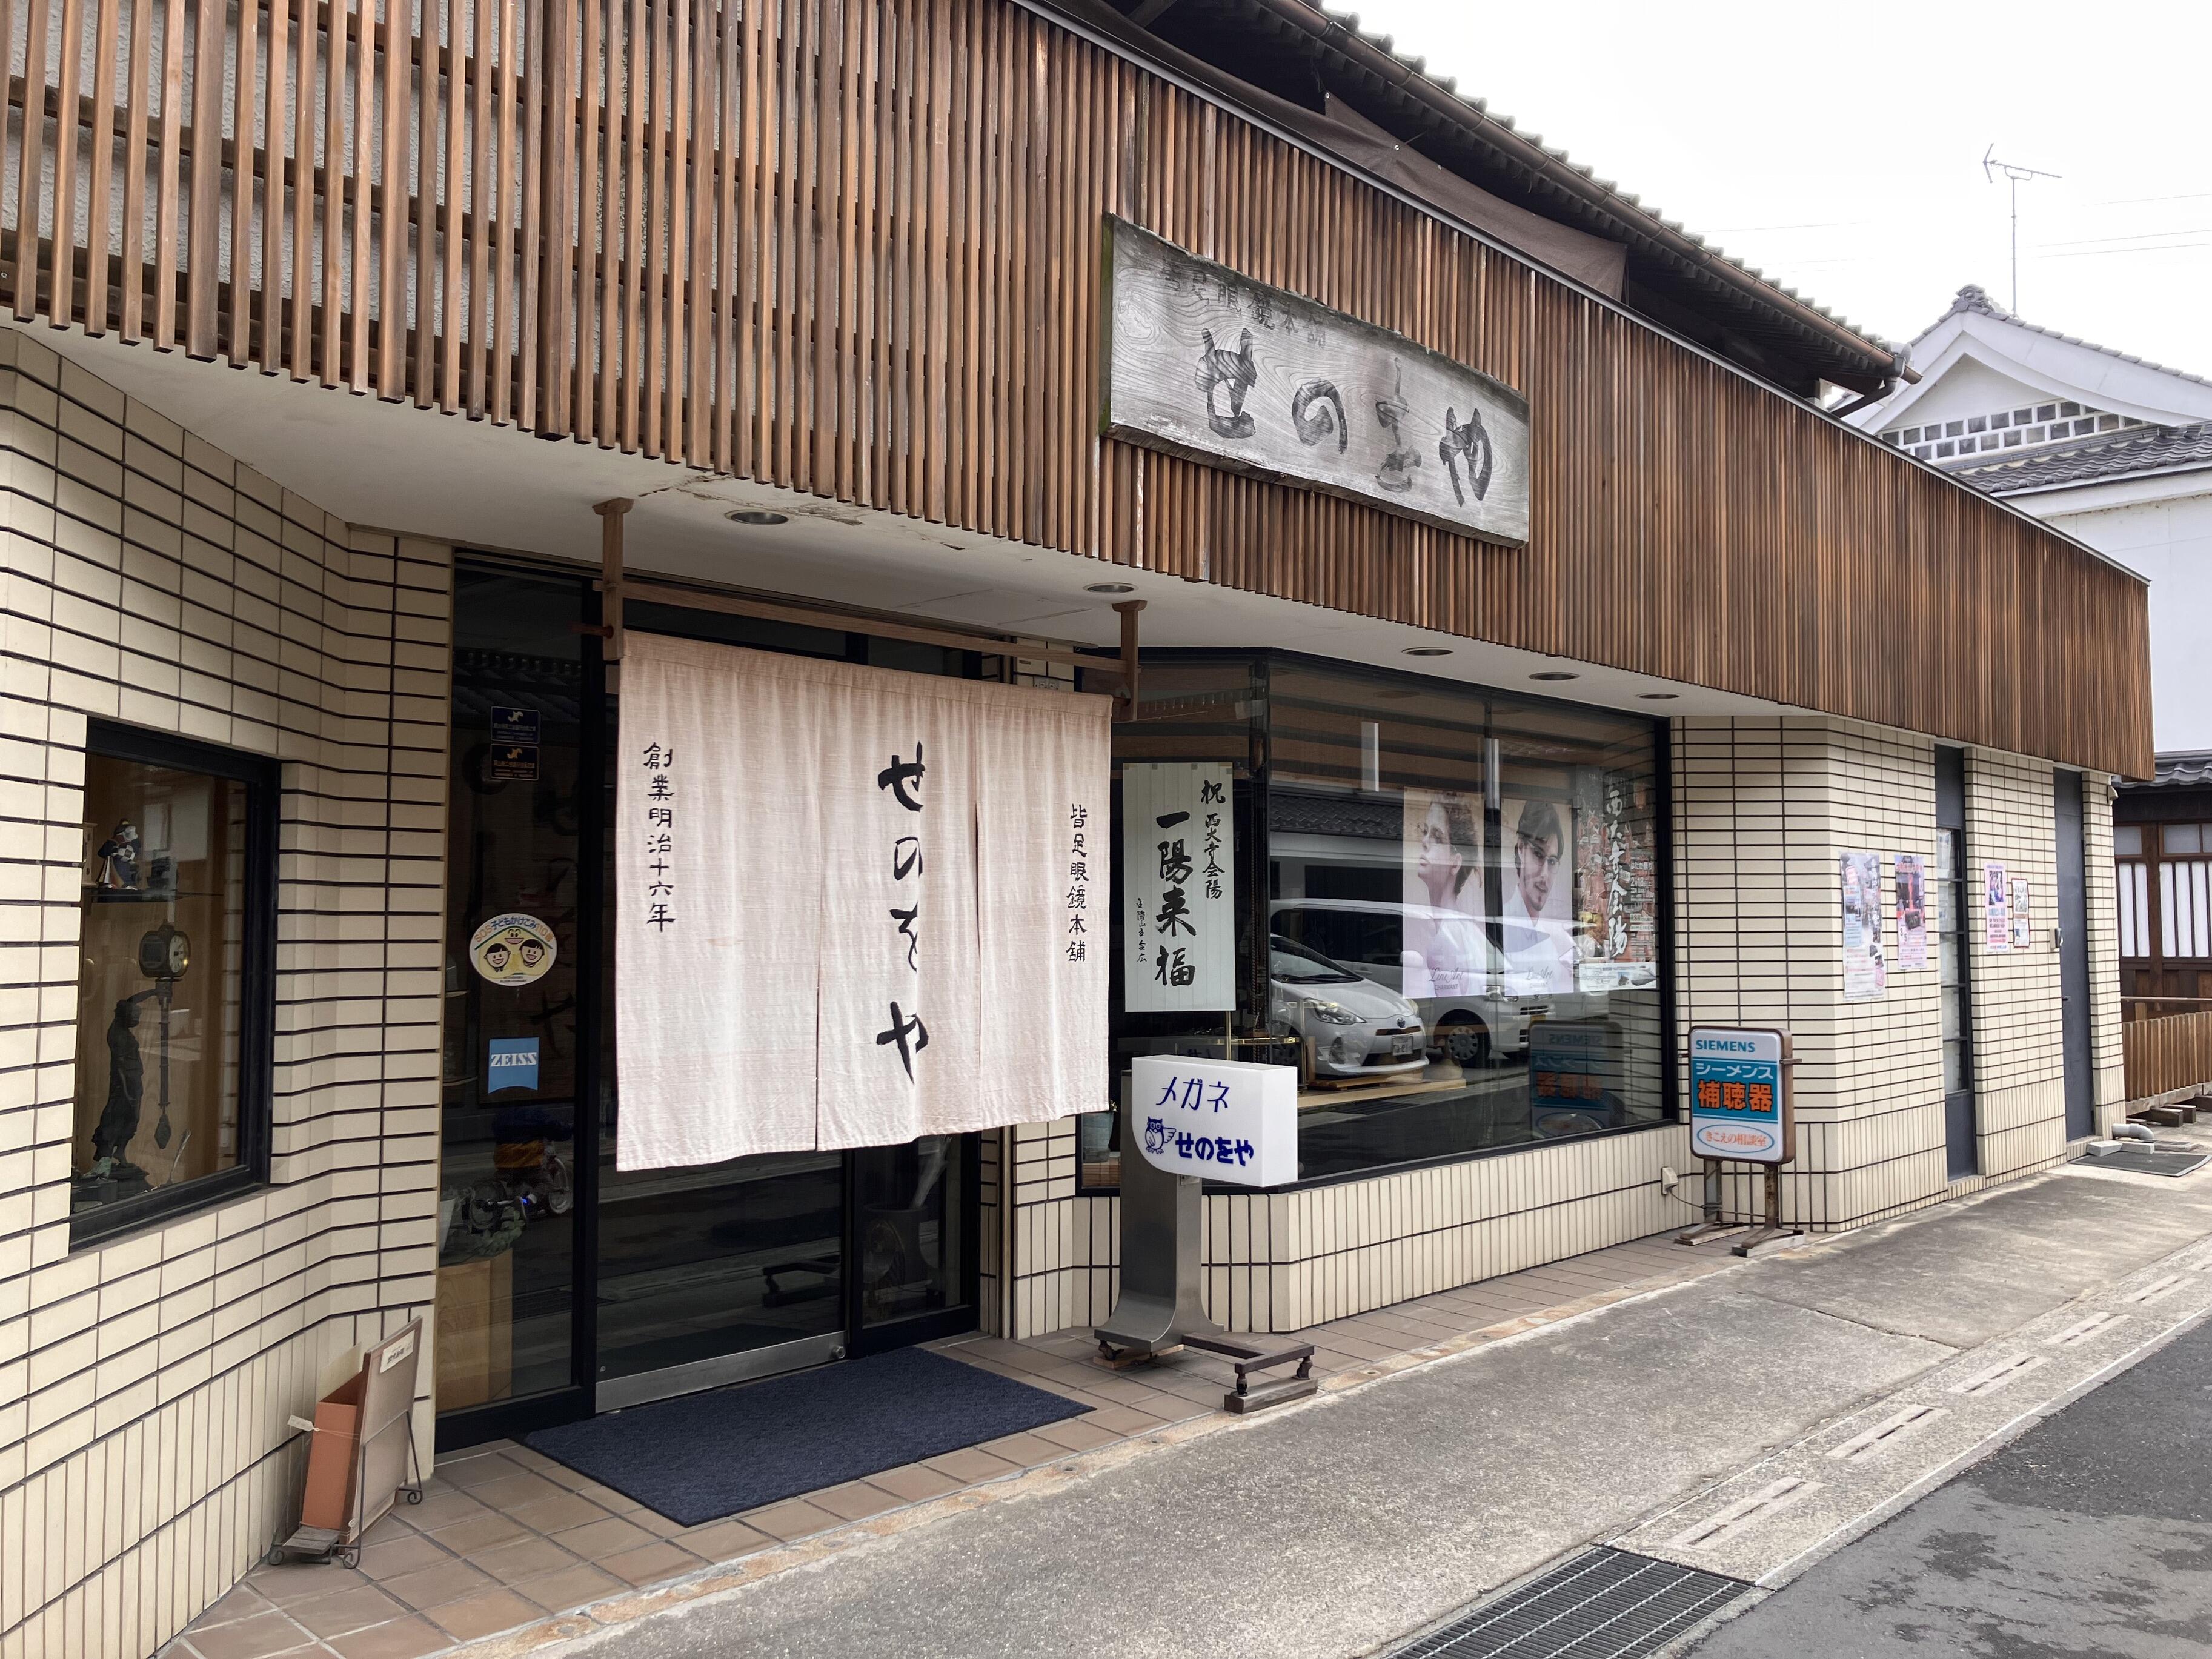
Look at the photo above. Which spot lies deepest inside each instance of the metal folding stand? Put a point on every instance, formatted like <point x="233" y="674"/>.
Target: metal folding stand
<point x="1160" y="1309"/>
<point x="1742" y="1236"/>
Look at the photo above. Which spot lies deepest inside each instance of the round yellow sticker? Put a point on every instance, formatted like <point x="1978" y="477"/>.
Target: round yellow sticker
<point x="512" y="949"/>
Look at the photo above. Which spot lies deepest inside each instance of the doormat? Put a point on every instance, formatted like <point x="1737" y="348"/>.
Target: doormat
<point x="707" y="1456"/>
<point x="2157" y="1164"/>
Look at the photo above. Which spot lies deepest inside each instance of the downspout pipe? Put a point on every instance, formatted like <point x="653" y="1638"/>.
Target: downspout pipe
<point x="2135" y="1132"/>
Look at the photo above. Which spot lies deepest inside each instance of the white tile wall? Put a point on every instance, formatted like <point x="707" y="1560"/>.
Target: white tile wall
<point x="144" y="1383"/>
<point x="1762" y="809"/>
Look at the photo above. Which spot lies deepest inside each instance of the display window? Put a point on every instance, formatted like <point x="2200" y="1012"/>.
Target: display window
<point x="1449" y="910"/>
<point x="176" y="938"/>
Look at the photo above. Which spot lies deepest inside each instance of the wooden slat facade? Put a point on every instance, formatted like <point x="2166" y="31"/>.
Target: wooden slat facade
<point x="851" y="247"/>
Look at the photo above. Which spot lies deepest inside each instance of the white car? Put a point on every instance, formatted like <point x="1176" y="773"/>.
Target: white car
<point x="1469" y="1028"/>
<point x="1353" y="1027"/>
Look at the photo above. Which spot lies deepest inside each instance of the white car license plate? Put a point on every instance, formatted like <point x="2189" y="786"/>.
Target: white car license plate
<point x="1401" y="1046"/>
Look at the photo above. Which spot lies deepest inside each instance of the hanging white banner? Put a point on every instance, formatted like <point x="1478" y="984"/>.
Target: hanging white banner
<point x="843" y="906"/>
<point x="1179" y="930"/>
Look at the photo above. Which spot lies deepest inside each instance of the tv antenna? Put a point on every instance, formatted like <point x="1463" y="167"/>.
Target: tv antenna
<point x="2016" y="175"/>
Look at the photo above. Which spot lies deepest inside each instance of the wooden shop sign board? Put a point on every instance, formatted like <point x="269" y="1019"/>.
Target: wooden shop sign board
<point x="1203" y="362"/>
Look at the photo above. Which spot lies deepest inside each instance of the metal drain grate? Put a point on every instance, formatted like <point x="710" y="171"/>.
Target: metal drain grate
<point x="1604" y="1604"/>
<point x="2157" y="1164"/>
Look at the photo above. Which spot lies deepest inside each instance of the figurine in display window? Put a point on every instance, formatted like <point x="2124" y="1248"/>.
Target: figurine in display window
<point x="118" y="862"/>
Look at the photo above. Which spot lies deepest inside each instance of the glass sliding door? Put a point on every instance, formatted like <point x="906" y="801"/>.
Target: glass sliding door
<point x="515" y="1067"/>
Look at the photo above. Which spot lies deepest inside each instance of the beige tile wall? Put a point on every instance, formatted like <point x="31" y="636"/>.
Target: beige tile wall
<point x="144" y="1383"/>
<point x="1762" y="809"/>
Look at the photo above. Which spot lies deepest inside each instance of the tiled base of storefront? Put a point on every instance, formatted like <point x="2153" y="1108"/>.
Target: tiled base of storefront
<point x="505" y="1538"/>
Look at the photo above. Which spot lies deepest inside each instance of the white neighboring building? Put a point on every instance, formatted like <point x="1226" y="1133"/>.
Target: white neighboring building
<point x="2107" y="447"/>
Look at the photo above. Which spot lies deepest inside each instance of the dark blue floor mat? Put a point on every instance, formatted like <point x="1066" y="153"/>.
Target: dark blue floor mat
<point x="711" y="1454"/>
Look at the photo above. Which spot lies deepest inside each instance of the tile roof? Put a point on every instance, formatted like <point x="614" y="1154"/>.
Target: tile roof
<point x="1634" y="205"/>
<point x="1974" y="298"/>
<point x="2184" y="770"/>
<point x="2106" y="455"/>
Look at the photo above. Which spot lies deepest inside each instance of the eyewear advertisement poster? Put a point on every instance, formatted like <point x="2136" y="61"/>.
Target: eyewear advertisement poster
<point x="1866" y="971"/>
<point x="1911" y="878"/>
<point x="2023" y="925"/>
<point x="1178" y="871"/>
<point x="1739" y="1106"/>
<point x="1444" y="946"/>
<point x="1996" y="908"/>
<point x="1234" y="1120"/>
<point x="1538" y="937"/>
<point x="853" y="907"/>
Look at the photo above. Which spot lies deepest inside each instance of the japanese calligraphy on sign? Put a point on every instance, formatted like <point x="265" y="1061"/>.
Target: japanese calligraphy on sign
<point x="1205" y="362"/>
<point x="1740" y="1107"/>
<point x="1233" y="1120"/>
<point x="1179" y="924"/>
<point x="845" y="901"/>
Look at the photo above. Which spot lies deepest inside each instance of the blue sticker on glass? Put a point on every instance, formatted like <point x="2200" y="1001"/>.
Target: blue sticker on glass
<point x="513" y="1064"/>
<point x="513" y="726"/>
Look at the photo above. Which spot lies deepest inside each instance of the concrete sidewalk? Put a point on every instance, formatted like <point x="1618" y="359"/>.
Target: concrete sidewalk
<point x="1335" y="1527"/>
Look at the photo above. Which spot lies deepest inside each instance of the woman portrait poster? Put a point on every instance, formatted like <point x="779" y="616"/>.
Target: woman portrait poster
<point x="1539" y="938"/>
<point x="1442" y="955"/>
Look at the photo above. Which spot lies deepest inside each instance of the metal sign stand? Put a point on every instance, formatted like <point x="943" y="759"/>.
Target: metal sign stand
<point x="1746" y="1235"/>
<point x="1161" y="1309"/>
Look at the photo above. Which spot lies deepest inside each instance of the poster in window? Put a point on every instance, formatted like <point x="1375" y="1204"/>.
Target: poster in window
<point x="1911" y="880"/>
<point x="1537" y="934"/>
<point x="1866" y="971"/>
<point x="1443" y="950"/>
<point x="1179" y="926"/>
<point x="2023" y="924"/>
<point x="1616" y="913"/>
<point x="1996" y="908"/>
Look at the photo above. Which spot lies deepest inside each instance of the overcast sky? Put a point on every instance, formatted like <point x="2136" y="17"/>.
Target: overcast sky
<point x="1838" y="147"/>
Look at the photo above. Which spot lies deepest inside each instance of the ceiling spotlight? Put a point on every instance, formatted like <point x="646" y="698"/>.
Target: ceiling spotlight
<point x="1428" y="651"/>
<point x="757" y="515"/>
<point x="1554" y="674"/>
<point x="1111" y="587"/>
<point x="1658" y="696"/>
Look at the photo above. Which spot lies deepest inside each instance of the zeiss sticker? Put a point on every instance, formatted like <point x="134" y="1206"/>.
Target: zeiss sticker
<point x="513" y="1064"/>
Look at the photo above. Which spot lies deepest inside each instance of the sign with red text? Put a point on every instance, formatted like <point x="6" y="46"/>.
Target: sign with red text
<point x="1740" y="1107"/>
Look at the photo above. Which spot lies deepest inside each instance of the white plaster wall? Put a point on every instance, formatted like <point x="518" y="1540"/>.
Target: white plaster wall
<point x="2169" y="543"/>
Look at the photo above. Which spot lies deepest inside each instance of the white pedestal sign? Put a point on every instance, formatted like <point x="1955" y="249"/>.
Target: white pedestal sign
<point x="1233" y="1120"/>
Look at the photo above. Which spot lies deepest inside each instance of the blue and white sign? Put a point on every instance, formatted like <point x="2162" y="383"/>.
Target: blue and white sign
<point x="1740" y="1105"/>
<point x="1233" y="1120"/>
<point x="512" y="1064"/>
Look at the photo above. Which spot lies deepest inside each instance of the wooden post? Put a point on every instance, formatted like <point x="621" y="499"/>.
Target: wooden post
<point x="1129" y="610"/>
<point x="610" y="571"/>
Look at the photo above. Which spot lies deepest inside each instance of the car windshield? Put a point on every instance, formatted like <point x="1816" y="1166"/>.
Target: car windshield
<point x="1291" y="963"/>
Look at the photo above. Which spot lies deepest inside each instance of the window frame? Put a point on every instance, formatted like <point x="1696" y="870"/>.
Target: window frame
<point x="1254" y="896"/>
<point x="261" y="776"/>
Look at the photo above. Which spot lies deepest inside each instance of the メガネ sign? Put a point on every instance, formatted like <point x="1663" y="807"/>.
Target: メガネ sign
<point x="1205" y="362"/>
<point x="1225" y="1119"/>
<point x="1740" y="1095"/>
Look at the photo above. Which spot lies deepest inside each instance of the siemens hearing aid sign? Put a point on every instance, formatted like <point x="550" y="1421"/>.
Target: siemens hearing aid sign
<point x="1739" y="1106"/>
<point x="1203" y="362"/>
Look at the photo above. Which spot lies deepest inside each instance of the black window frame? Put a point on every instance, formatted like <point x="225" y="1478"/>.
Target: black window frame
<point x="257" y="1034"/>
<point x="1255" y="851"/>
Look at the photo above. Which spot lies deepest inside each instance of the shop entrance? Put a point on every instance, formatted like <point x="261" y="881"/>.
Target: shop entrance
<point x="567" y="1287"/>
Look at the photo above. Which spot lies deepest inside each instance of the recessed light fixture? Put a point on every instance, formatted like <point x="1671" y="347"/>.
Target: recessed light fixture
<point x="1554" y="674"/>
<point x="1111" y="587"/>
<point x="757" y="515"/>
<point x="1428" y="651"/>
<point x="1658" y="696"/>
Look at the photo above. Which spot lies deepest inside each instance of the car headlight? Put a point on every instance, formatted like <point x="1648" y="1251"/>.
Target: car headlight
<point x="1335" y="1012"/>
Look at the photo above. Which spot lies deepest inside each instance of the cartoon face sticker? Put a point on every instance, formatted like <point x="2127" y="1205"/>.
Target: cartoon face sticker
<point x="512" y="949"/>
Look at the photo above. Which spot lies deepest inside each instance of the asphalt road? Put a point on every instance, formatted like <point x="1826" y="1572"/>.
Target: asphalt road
<point x="2090" y="1534"/>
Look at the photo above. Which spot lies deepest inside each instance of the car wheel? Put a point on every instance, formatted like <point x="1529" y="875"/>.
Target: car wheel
<point x="1465" y="1041"/>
